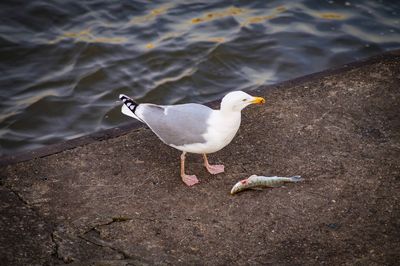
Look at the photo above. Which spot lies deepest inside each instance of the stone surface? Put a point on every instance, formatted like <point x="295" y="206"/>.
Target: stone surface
<point x="120" y="201"/>
<point x="25" y="236"/>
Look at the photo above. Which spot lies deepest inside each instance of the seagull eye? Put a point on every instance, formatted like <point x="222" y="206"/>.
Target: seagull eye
<point x="243" y="100"/>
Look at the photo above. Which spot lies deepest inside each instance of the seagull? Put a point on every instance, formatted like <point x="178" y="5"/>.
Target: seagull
<point x="193" y="128"/>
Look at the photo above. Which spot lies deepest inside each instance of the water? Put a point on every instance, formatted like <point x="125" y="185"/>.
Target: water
<point x="63" y="63"/>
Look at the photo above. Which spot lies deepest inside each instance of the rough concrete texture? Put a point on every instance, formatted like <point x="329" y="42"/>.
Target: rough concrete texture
<point x="120" y="201"/>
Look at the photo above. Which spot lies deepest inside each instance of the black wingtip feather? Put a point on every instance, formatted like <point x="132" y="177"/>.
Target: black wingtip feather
<point x="128" y="102"/>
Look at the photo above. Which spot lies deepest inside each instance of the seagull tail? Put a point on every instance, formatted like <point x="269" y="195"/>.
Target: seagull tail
<point x="129" y="106"/>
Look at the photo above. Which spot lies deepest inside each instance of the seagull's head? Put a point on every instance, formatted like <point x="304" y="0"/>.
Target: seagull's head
<point x="237" y="100"/>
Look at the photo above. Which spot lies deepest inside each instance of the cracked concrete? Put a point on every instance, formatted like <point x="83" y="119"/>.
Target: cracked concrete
<point x="25" y="236"/>
<point x="119" y="200"/>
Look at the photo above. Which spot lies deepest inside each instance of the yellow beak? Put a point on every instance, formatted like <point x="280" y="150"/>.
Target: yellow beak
<point x="258" y="100"/>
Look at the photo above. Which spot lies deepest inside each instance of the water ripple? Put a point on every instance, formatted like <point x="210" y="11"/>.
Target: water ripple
<point x="63" y="63"/>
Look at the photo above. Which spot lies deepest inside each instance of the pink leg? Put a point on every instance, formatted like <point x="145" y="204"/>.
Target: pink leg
<point x="213" y="169"/>
<point x="189" y="180"/>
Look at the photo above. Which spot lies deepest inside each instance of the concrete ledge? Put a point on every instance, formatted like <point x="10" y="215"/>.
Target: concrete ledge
<point x="120" y="201"/>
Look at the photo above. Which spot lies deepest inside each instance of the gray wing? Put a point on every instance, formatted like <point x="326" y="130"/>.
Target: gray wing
<point x="177" y="124"/>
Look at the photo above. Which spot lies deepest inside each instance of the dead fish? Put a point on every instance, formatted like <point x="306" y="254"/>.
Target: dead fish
<point x="263" y="181"/>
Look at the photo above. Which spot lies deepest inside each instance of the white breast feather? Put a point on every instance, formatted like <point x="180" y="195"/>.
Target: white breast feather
<point x="221" y="130"/>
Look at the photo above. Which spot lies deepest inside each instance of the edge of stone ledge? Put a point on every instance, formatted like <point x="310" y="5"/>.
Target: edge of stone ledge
<point x="68" y="144"/>
<point x="126" y="128"/>
<point x="388" y="55"/>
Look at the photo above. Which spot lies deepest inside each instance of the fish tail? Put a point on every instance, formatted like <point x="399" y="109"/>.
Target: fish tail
<point x="296" y="178"/>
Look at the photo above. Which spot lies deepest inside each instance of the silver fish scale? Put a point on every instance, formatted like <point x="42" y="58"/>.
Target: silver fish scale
<point x="263" y="181"/>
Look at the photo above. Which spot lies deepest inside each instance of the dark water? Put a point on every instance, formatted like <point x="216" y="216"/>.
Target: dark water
<point x="63" y="63"/>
